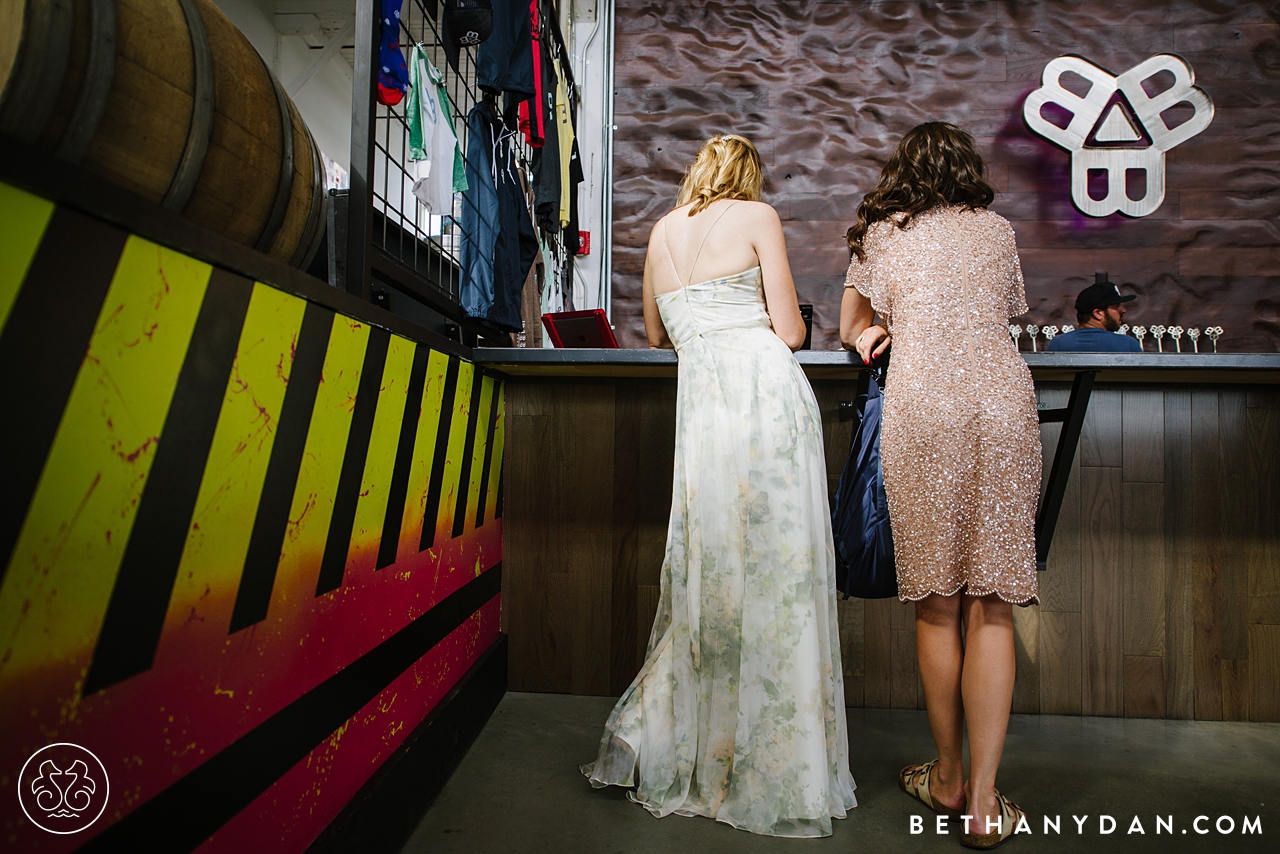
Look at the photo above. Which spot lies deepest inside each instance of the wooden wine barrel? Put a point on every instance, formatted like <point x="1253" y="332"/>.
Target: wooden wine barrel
<point x="169" y="100"/>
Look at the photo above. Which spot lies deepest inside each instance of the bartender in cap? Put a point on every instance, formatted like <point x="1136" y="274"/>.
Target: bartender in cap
<point x="1099" y="310"/>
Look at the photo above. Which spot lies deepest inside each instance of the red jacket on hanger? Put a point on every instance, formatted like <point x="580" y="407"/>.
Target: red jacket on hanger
<point x="531" y="120"/>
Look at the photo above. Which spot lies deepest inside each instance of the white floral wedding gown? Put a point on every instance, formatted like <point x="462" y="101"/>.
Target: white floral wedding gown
<point x="738" y="712"/>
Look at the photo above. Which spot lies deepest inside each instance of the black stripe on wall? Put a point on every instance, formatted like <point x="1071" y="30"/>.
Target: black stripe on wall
<point x="464" y="476"/>
<point x="272" y="520"/>
<point x="140" y="598"/>
<point x="497" y="513"/>
<point x="382" y="815"/>
<point x="42" y="347"/>
<point x="432" y="514"/>
<point x="488" y="453"/>
<point x="183" y="816"/>
<point x="404" y="459"/>
<point x="334" y="562"/>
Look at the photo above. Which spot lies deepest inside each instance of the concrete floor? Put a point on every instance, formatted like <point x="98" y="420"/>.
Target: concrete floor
<point x="518" y="789"/>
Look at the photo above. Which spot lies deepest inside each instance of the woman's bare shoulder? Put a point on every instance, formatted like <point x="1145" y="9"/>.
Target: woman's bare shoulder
<point x="762" y="210"/>
<point x="660" y="227"/>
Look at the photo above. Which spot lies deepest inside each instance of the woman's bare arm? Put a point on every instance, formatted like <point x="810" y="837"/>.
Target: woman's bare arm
<point x="779" y="288"/>
<point x="653" y="328"/>
<point x="857" y="331"/>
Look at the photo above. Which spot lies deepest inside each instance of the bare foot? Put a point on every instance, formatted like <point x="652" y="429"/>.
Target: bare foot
<point x="947" y="793"/>
<point x="982" y="807"/>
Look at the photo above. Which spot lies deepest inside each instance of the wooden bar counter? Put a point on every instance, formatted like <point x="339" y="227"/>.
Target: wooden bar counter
<point x="1162" y="593"/>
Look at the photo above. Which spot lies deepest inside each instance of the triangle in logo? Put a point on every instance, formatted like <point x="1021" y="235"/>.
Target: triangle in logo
<point x="1119" y="127"/>
<point x="1115" y="127"/>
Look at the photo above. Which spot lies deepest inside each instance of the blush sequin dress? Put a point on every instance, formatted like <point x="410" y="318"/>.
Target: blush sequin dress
<point x="960" y="439"/>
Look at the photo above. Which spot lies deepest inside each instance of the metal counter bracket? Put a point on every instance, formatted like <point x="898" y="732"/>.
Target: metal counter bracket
<point x="1072" y="418"/>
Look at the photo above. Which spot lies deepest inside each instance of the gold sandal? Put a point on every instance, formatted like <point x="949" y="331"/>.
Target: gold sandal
<point x="1010" y="815"/>
<point x="914" y="780"/>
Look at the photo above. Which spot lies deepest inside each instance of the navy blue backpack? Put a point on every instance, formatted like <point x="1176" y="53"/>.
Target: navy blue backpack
<point x="860" y="513"/>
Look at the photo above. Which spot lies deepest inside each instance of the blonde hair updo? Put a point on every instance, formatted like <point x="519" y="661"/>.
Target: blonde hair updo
<point x="727" y="167"/>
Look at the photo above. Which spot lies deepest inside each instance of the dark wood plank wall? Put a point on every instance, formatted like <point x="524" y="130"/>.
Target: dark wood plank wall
<point x="1162" y="596"/>
<point x="827" y="89"/>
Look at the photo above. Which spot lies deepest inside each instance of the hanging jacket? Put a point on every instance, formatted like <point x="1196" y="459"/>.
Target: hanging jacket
<point x="860" y="513"/>
<point x="516" y="247"/>
<point x="531" y="116"/>
<point x="498" y="239"/>
<point x="504" y="61"/>
<point x="479" y="213"/>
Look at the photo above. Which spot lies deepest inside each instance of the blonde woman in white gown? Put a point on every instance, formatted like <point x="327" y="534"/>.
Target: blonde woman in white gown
<point x="738" y="712"/>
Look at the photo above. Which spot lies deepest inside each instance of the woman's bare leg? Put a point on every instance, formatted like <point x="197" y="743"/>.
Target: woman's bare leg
<point x="987" y="686"/>
<point x="939" y="651"/>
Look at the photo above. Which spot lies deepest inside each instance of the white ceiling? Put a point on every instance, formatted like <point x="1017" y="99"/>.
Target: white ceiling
<point x="317" y="22"/>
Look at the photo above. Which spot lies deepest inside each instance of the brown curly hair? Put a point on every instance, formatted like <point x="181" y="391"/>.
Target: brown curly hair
<point x="936" y="163"/>
<point x="727" y="167"/>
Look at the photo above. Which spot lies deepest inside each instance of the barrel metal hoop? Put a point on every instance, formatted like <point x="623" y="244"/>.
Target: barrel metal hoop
<point x="40" y="67"/>
<point x="100" y="69"/>
<point x="313" y="218"/>
<point x="202" y="104"/>
<point x="284" y="187"/>
<point x="325" y="202"/>
<point x="322" y="223"/>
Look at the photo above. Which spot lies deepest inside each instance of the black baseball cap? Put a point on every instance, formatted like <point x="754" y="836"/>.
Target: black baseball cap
<point x="465" y="23"/>
<point x="1101" y="294"/>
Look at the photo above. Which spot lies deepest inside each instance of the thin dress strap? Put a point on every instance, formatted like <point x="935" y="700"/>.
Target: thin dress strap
<point x="672" y="259"/>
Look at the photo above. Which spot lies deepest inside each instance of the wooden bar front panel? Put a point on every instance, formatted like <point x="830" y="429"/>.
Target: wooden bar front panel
<point x="1162" y="596"/>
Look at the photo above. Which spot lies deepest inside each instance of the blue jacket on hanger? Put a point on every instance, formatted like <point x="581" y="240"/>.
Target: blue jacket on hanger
<point x="479" y="213"/>
<point x="499" y="244"/>
<point x="504" y="61"/>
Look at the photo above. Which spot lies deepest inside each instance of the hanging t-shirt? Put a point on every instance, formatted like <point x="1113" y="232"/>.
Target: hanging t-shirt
<point x="572" y="238"/>
<point x="546" y="160"/>
<point x="433" y="143"/>
<point x="565" y="128"/>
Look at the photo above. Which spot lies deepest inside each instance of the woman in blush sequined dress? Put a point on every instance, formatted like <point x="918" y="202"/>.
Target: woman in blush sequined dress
<point x="960" y="445"/>
<point x="738" y="711"/>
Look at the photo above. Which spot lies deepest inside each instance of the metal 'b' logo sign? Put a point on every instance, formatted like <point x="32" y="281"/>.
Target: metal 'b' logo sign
<point x="1101" y="134"/>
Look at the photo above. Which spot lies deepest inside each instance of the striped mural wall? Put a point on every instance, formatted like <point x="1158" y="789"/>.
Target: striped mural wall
<point x="247" y="542"/>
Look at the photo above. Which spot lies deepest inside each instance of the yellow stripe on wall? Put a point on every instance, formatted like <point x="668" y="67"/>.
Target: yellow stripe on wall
<point x="236" y="468"/>
<point x="477" y="452"/>
<point x="424" y="450"/>
<point x="495" y="465"/>
<point x="23" y="219"/>
<point x="63" y="569"/>
<point x="453" y="457"/>
<point x="380" y="462"/>
<point x="312" y="507"/>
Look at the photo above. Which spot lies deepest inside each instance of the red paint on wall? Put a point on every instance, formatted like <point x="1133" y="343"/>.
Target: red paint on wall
<point x="207" y="688"/>
<point x="291" y="814"/>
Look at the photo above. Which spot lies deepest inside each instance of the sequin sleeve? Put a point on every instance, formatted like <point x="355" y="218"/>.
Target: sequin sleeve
<point x="1017" y="288"/>
<point x="861" y="276"/>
